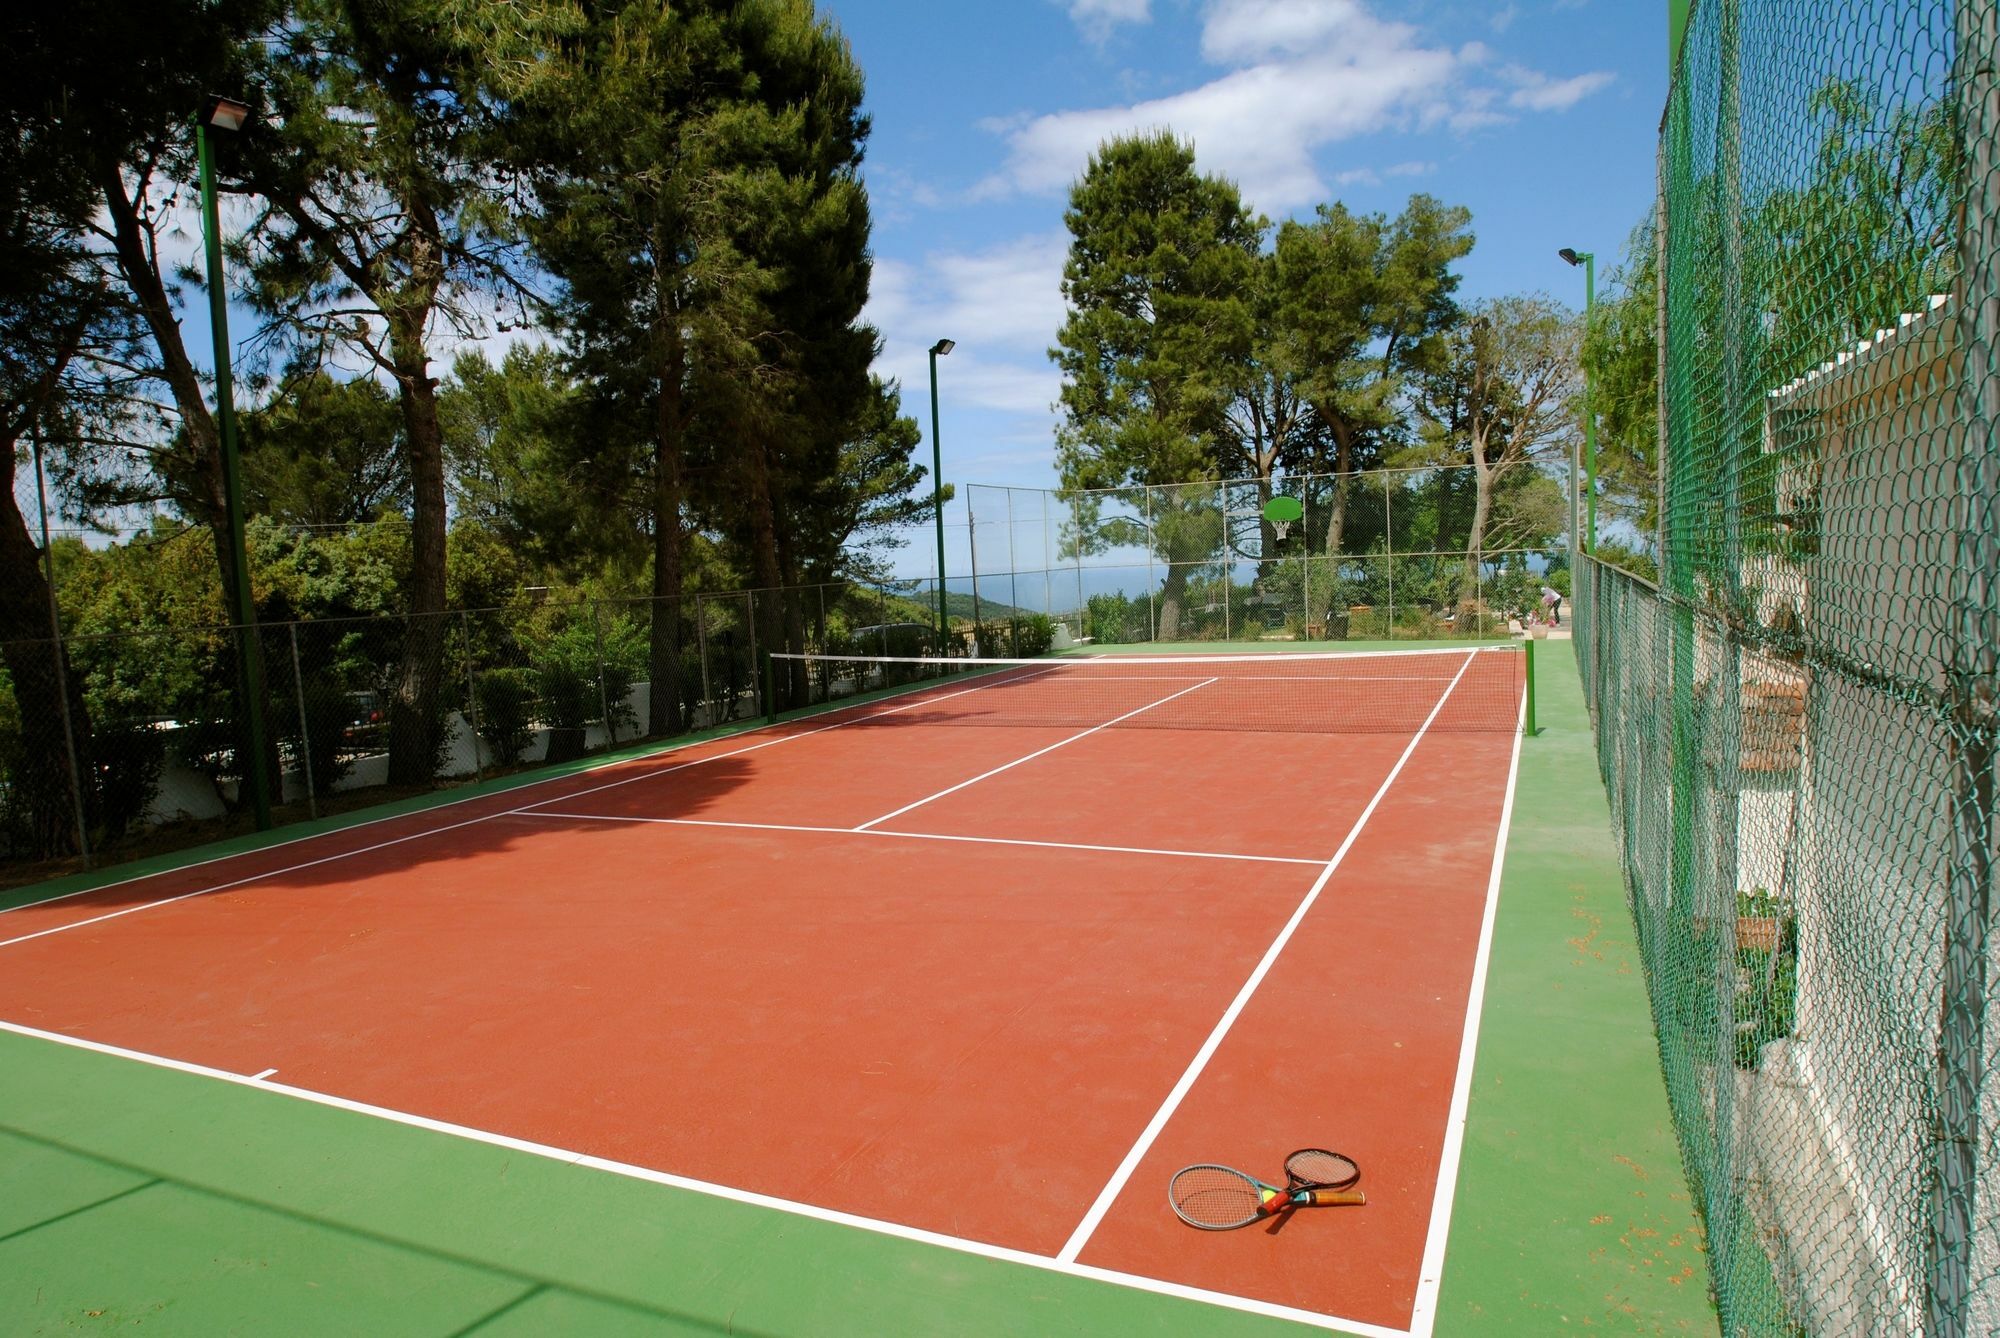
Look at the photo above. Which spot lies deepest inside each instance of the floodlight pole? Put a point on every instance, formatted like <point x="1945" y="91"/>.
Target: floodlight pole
<point x="223" y="113"/>
<point x="1589" y="263"/>
<point x="939" y="349"/>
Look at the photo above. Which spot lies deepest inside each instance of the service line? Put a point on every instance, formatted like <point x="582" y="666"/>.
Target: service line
<point x="918" y="836"/>
<point x="1088" y="1226"/>
<point x="1009" y="766"/>
<point x="923" y="699"/>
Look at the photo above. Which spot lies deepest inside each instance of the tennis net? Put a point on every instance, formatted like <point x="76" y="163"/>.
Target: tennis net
<point x="1458" y="690"/>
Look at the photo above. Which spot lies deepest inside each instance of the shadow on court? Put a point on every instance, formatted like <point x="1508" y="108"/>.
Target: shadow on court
<point x="89" y="1240"/>
<point x="479" y="828"/>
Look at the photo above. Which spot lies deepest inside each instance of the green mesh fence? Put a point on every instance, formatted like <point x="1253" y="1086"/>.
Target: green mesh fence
<point x="1797" y="728"/>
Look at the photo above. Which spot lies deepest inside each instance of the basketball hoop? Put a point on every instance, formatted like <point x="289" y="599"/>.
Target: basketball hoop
<point x="1281" y="512"/>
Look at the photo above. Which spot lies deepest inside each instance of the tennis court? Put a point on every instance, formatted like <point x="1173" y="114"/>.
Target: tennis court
<point x="979" y="962"/>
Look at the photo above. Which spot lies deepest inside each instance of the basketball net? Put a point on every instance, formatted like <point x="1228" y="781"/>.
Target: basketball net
<point x="1281" y="528"/>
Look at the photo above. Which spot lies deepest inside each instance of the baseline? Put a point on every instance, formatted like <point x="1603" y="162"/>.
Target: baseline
<point x="587" y="1161"/>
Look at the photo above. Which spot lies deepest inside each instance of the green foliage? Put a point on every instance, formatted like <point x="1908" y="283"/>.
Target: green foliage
<point x="1637" y="561"/>
<point x="506" y="699"/>
<point x="1160" y="266"/>
<point x="1621" y="358"/>
<point x="566" y="677"/>
<point x="324" y="452"/>
<point x="1117" y="619"/>
<point x="1034" y="635"/>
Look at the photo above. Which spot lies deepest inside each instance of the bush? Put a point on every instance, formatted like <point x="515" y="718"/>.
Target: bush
<point x="568" y="694"/>
<point x="506" y="701"/>
<point x="1112" y="619"/>
<point x="1033" y="635"/>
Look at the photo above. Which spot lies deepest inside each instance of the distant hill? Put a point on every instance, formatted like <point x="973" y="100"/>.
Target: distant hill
<point x="920" y="608"/>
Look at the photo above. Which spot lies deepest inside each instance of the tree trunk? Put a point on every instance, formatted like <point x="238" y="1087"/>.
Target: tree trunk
<point x="416" y="713"/>
<point x="1475" y="542"/>
<point x="793" y="686"/>
<point x="1173" y="599"/>
<point x="45" y="788"/>
<point x="205" y="496"/>
<point x="663" y="712"/>
<point x="1343" y="465"/>
<point x="766" y="572"/>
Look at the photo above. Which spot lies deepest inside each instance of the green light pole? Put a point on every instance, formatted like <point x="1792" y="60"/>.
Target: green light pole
<point x="220" y="113"/>
<point x="1589" y="263"/>
<point x="938" y="350"/>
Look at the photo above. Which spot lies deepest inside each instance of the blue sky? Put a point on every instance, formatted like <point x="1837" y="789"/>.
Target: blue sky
<point x="1539" y="115"/>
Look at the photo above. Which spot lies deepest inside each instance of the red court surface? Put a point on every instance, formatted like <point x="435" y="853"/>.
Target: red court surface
<point x="828" y="962"/>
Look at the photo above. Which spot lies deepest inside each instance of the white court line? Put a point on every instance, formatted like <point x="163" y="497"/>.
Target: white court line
<point x="926" y="699"/>
<point x="238" y="882"/>
<point x="876" y="1225"/>
<point x="1009" y="766"/>
<point x="1423" y="1316"/>
<point x="917" y="836"/>
<point x="259" y="1077"/>
<point x="436" y="831"/>
<point x="1081" y="1236"/>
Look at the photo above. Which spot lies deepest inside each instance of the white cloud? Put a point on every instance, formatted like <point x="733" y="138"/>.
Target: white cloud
<point x="1002" y="305"/>
<point x="1299" y="74"/>
<point x="1096" y="19"/>
<point x="1409" y="170"/>
<point x="1535" y="91"/>
<point x="1503" y="18"/>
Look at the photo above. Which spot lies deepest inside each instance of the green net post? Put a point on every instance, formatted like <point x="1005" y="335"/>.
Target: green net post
<point x="1528" y="687"/>
<point x="770" y="689"/>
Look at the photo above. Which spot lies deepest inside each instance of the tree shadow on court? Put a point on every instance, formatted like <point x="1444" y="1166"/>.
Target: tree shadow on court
<point x="602" y="808"/>
<point x="89" y="1226"/>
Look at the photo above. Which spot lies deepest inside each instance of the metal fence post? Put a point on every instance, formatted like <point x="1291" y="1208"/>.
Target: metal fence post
<point x="62" y="672"/>
<point x="1389" y="551"/>
<point x="972" y="559"/>
<point x="75" y="761"/>
<point x="471" y="693"/>
<point x="1152" y="611"/>
<point x="759" y="688"/>
<point x="603" y="696"/>
<point x="305" y="733"/>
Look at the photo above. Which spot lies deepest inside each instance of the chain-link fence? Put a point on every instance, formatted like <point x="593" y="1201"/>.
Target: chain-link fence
<point x="114" y="746"/>
<point x="1373" y="554"/>
<point x="1797" y="727"/>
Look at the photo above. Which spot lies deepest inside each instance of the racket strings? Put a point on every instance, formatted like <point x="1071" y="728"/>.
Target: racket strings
<point x="1215" y="1197"/>
<point x="1319" y="1168"/>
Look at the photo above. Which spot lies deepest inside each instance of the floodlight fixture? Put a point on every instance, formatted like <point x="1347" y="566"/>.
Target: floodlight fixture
<point x="943" y="346"/>
<point x="221" y="113"/>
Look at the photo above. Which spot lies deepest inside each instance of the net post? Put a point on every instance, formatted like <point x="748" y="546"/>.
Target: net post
<point x="1528" y="726"/>
<point x="770" y="689"/>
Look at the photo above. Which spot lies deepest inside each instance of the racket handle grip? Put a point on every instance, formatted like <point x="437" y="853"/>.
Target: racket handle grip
<point x="1338" y="1198"/>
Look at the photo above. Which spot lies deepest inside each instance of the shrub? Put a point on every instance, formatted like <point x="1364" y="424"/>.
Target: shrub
<point x="568" y="693"/>
<point x="506" y="700"/>
<point x="1033" y="635"/>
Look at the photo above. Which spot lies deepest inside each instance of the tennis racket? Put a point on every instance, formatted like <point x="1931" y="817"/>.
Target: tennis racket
<point x="1316" y="1168"/>
<point x="1216" y="1198"/>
